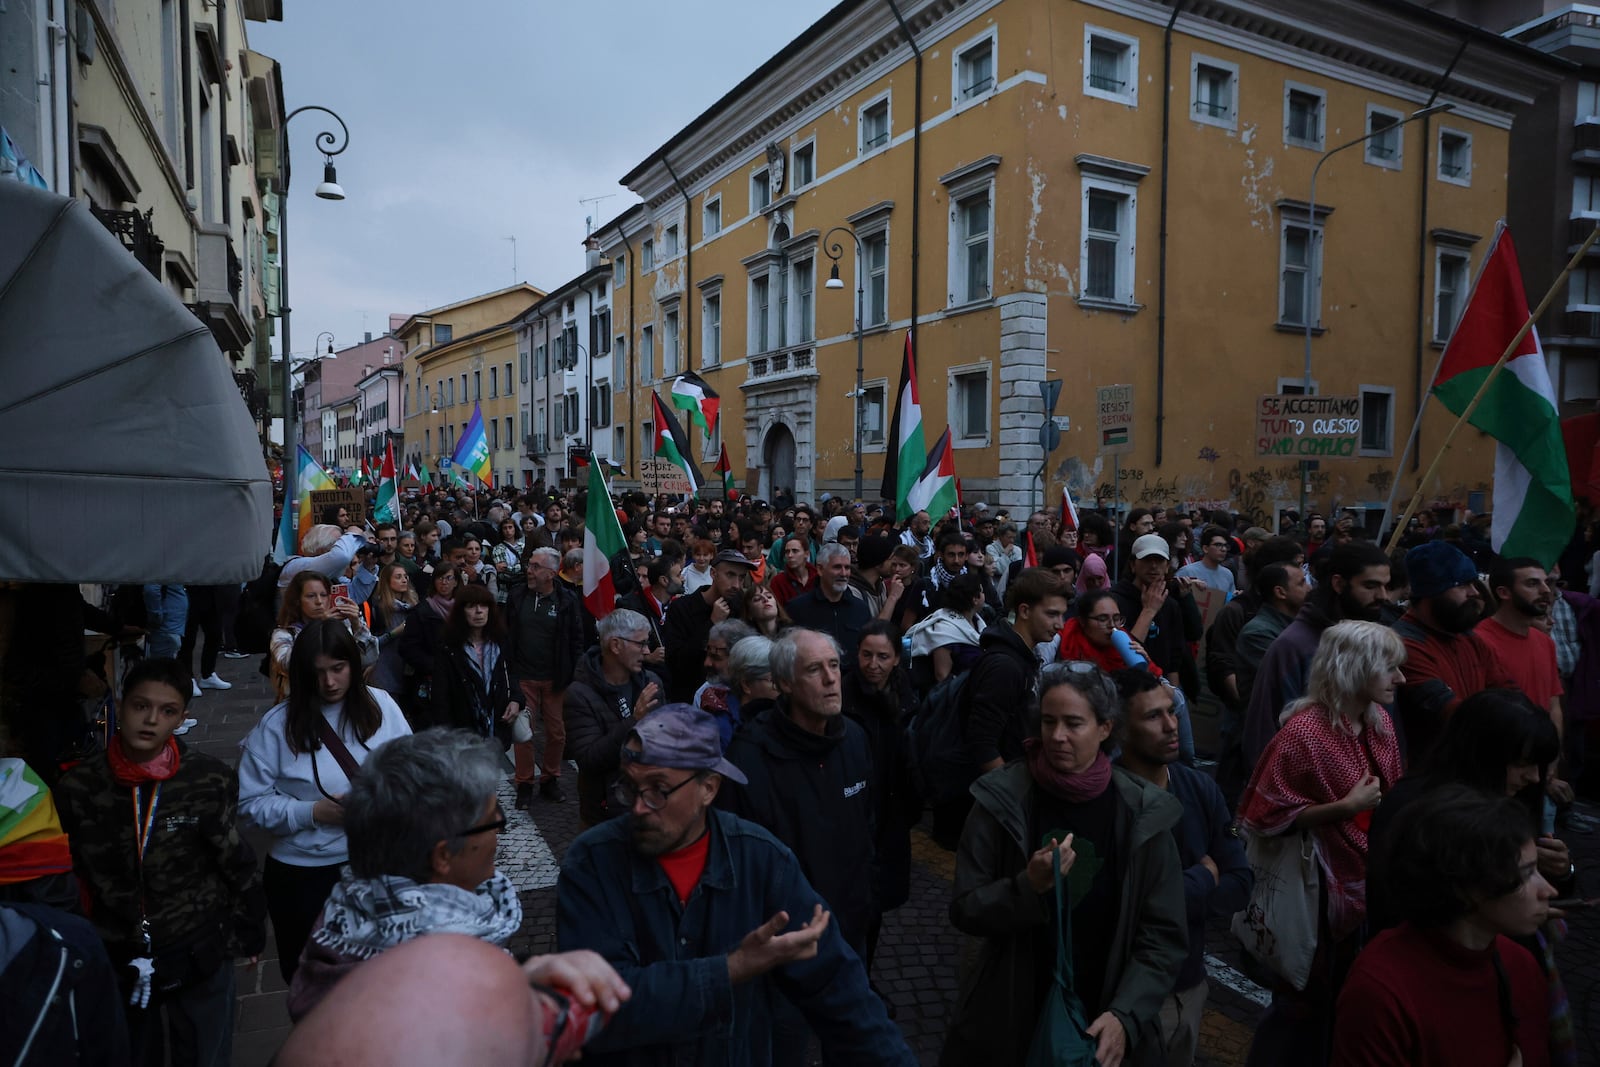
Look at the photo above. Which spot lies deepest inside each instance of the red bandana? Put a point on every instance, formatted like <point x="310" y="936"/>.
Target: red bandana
<point x="127" y="772"/>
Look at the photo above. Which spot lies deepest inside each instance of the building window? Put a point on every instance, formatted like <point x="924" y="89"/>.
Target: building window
<point x="541" y="361"/>
<point x="1449" y="291"/>
<point x="803" y="166"/>
<point x="1455" y="157"/>
<point x="463" y="388"/>
<point x="494" y="434"/>
<point x="507" y="379"/>
<point x="760" y="190"/>
<point x="1384" y="149"/>
<point x="569" y="413"/>
<point x="1302" y="115"/>
<point x="494" y="383"/>
<point x="875" y="253"/>
<point x="669" y="346"/>
<point x="970" y="222"/>
<point x="511" y="440"/>
<point x="619" y="270"/>
<point x="619" y="350"/>
<point x="619" y="442"/>
<point x="804" y="279"/>
<point x="450" y="392"/>
<point x="974" y="69"/>
<point x="1585" y="196"/>
<point x="1588" y="109"/>
<point x="1214" y="88"/>
<point x="427" y="442"/>
<point x="442" y="332"/>
<point x="670" y="242"/>
<point x="1377" y="420"/>
<point x="874" y="123"/>
<point x="711" y="217"/>
<point x="760" y="313"/>
<point x="522" y="366"/>
<point x="477" y="385"/>
<point x="1583" y="290"/>
<point x="647" y="353"/>
<point x="1300" y="273"/>
<point x="1110" y="66"/>
<point x="969" y="405"/>
<point x="1106" y="268"/>
<point x="647" y="255"/>
<point x="873" y="414"/>
<point x="600" y="405"/>
<point x="711" y="332"/>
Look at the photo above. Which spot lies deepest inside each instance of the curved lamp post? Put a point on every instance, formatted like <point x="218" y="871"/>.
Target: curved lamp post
<point x="329" y="144"/>
<point x="835" y="251"/>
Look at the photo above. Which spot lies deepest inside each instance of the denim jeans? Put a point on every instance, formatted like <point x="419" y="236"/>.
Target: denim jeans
<point x="166" y="610"/>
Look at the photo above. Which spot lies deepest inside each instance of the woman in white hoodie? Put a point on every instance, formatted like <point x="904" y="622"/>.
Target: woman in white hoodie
<point x="295" y="768"/>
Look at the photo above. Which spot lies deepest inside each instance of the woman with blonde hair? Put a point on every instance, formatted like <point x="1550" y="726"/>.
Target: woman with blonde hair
<point x="1323" y="774"/>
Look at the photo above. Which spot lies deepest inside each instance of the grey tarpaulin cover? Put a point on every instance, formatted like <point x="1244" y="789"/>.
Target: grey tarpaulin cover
<point x="129" y="454"/>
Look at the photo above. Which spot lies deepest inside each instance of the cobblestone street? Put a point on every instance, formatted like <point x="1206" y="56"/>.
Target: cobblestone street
<point x="918" y="956"/>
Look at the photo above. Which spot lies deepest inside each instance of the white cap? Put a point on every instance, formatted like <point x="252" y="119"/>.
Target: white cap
<point x="1151" y="545"/>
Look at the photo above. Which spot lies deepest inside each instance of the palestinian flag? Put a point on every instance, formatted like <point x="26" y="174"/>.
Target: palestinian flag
<point x="602" y="539"/>
<point x="935" y="491"/>
<point x="672" y="444"/>
<point x="387" y="506"/>
<point x="1533" y="509"/>
<point x="422" y="474"/>
<point x="1069" y="511"/>
<point x="908" y="457"/>
<point x="727" y="474"/>
<point x="690" y="393"/>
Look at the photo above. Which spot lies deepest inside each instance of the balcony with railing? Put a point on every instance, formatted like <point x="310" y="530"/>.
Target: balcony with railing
<point x="136" y="233"/>
<point x="1579" y="325"/>
<point x="796" y="361"/>
<point x="1586" y="141"/>
<point x="217" y="289"/>
<point x="1578" y="230"/>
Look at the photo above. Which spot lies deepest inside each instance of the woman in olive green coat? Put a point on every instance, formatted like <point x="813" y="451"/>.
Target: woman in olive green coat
<point x="1111" y="834"/>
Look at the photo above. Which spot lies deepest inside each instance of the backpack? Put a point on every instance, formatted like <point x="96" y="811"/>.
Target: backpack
<point x="936" y="748"/>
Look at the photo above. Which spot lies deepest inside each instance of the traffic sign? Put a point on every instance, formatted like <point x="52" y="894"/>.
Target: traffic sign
<point x="1049" y="436"/>
<point x="1051" y="391"/>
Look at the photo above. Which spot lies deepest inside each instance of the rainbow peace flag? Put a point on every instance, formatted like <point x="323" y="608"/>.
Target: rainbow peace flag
<point x="472" y="450"/>
<point x="311" y="477"/>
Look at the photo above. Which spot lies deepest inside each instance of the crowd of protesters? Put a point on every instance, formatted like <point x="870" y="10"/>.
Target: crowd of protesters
<point x="776" y="699"/>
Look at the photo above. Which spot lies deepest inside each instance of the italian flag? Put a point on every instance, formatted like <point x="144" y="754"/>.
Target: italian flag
<point x="908" y="459"/>
<point x="690" y="393"/>
<point x="387" y="506"/>
<point x="672" y="444"/>
<point x="727" y="474"/>
<point x="1533" y="510"/>
<point x="935" y="491"/>
<point x="602" y="539"/>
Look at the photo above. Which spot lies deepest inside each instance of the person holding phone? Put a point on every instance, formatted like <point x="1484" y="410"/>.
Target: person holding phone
<point x="309" y="598"/>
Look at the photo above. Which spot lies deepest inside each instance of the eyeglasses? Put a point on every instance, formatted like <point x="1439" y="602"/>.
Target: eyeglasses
<point x="654" y="797"/>
<point x="641" y="642"/>
<point x="498" y="824"/>
<point x="1107" y="620"/>
<point x="1217" y="544"/>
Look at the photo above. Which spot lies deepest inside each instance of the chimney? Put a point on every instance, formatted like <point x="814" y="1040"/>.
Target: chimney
<point x="368" y="337"/>
<point x="591" y="254"/>
<point x="388" y="354"/>
<point x="366" y="369"/>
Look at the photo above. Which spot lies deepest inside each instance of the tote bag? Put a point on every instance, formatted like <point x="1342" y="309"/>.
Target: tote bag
<point x="1061" y="1038"/>
<point x="1279" y="925"/>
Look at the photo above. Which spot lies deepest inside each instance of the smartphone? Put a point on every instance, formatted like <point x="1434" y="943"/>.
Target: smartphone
<point x="341" y="591"/>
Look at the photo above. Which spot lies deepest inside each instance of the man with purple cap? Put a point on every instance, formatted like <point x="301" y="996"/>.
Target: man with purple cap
<point x="1445" y="661"/>
<point x="708" y="918"/>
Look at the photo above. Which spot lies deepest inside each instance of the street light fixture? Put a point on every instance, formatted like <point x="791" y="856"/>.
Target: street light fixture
<point x="330" y="144"/>
<point x="330" y="354"/>
<point x="834" y="251"/>
<point x="1314" y="260"/>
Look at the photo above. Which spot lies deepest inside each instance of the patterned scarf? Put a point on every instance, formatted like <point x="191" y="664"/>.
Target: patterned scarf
<point x="365" y="916"/>
<point x="939" y="576"/>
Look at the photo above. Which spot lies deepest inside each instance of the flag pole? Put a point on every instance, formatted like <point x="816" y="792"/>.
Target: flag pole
<point x="1483" y="389"/>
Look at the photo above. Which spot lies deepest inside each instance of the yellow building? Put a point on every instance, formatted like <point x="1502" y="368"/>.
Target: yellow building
<point x="458" y="356"/>
<point x="1017" y="188"/>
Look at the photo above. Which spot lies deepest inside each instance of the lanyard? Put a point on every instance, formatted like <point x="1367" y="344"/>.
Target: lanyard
<point x="142" y="828"/>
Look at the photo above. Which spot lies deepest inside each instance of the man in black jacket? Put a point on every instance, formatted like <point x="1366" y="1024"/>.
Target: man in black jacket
<point x="1002" y="691"/>
<point x="689" y="622"/>
<point x="808" y="767"/>
<point x="610" y="693"/>
<point x="544" y="620"/>
<point x="1156" y="609"/>
<point x="829" y="605"/>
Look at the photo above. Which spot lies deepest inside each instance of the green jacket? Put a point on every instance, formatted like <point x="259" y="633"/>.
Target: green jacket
<point x="997" y="1007"/>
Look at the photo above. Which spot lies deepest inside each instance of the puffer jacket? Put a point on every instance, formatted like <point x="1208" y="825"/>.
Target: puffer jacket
<point x="598" y="717"/>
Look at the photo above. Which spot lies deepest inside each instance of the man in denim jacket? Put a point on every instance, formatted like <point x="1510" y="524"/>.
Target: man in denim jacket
<point x="693" y="907"/>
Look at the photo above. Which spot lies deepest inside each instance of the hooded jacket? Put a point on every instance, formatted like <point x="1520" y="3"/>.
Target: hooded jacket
<point x="598" y="717"/>
<point x="999" y="1000"/>
<point x="812" y="792"/>
<point x="1003" y="692"/>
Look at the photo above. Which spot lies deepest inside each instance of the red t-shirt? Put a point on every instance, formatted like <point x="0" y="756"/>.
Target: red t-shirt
<point x="685" y="866"/>
<point x="1416" y="999"/>
<point x="1530" y="660"/>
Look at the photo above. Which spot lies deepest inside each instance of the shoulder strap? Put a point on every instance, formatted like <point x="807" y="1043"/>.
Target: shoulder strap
<point x="1064" y="975"/>
<point x="335" y="745"/>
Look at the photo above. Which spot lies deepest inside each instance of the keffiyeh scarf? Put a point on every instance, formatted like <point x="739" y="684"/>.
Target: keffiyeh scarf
<point x="365" y="916"/>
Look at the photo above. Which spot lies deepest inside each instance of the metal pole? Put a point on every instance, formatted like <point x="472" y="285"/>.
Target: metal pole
<point x="1116" y="532"/>
<point x="860" y="399"/>
<point x="291" y="455"/>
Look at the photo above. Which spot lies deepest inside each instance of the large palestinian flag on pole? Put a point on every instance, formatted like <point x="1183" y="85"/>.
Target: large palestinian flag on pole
<point x="1533" y="509"/>
<point x="602" y="539"/>
<point x="908" y="453"/>
<point x="726" y="469"/>
<point x="935" y="491"/>
<point x="690" y="393"/>
<point x="672" y="444"/>
<point x="387" y="507"/>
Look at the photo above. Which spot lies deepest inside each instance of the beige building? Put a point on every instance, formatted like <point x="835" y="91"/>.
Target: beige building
<point x="1103" y="192"/>
<point x="161" y="118"/>
<point x="457" y="357"/>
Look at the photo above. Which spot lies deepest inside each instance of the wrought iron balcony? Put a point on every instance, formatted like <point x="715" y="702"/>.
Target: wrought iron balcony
<point x="136" y="233"/>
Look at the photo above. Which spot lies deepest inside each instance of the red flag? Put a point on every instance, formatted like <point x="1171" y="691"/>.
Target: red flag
<point x="388" y="470"/>
<point x="1069" y="512"/>
<point x="1030" y="558"/>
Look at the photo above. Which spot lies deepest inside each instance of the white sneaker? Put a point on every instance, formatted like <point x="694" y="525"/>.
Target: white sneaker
<point x="188" y="724"/>
<point x="214" y="682"/>
<point x="196" y="692"/>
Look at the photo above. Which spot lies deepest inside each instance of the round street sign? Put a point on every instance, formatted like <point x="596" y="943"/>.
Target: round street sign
<point x="1049" y="436"/>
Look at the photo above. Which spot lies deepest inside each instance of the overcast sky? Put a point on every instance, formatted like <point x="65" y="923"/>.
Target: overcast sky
<point x="476" y="122"/>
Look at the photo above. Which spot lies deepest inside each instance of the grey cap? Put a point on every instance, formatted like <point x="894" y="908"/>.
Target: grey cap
<point x="728" y="555"/>
<point x="683" y="737"/>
